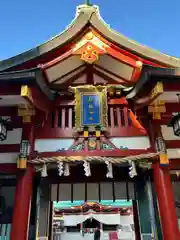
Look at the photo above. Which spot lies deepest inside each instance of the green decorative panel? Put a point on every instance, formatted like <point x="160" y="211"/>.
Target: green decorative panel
<point x="92" y="144"/>
<point x="78" y="147"/>
<point x="106" y="146"/>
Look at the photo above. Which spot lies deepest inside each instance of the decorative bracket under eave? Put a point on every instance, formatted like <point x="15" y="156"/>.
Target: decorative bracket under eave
<point x="157" y="109"/>
<point x="35" y="98"/>
<point x="154" y="105"/>
<point x="26" y="112"/>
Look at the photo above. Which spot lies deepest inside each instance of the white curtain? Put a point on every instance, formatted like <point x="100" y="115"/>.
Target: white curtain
<point x="126" y="220"/>
<point x="73" y="220"/>
<point x="109" y="219"/>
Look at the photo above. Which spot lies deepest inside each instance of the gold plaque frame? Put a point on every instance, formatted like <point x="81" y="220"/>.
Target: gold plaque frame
<point x="101" y="91"/>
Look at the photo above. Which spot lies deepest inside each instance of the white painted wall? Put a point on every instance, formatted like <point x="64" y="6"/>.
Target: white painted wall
<point x="131" y="142"/>
<point x="167" y="133"/>
<point x="52" y="145"/>
<point x="173" y="153"/>
<point x="13" y="137"/>
<point x="8" y="157"/>
<point x="170" y="96"/>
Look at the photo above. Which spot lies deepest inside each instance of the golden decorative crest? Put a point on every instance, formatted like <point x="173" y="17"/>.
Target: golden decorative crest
<point x="139" y="64"/>
<point x="90" y="47"/>
<point x="90" y="54"/>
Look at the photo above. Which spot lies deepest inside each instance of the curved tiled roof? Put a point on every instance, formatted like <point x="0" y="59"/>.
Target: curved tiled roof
<point x="86" y="14"/>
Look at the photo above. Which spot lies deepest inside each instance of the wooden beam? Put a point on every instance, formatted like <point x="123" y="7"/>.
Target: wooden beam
<point x="115" y="153"/>
<point x="156" y="91"/>
<point x="172" y="108"/>
<point x="109" y="79"/>
<point x="162" y="121"/>
<point x="89" y="74"/>
<point x="56" y="60"/>
<point x="8" y="111"/>
<point x="8" y="168"/>
<point x="136" y="74"/>
<point x="54" y="133"/>
<point x="9" y="148"/>
<point x="118" y="101"/>
<point x="136" y="64"/>
<point x="71" y="78"/>
<point x="171" y="144"/>
<point x="171" y="86"/>
<point x="10" y="89"/>
<point x="98" y="67"/>
<point x="121" y="57"/>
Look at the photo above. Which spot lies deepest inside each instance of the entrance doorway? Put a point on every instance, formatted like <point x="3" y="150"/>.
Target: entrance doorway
<point x="74" y="204"/>
<point x="73" y="221"/>
<point x="91" y="224"/>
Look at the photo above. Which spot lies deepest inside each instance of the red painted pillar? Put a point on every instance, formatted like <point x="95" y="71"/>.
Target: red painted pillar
<point x="23" y="194"/>
<point x="22" y="205"/>
<point x="166" y="204"/>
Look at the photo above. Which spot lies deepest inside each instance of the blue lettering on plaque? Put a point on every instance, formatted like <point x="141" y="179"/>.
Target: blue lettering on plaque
<point x="90" y="110"/>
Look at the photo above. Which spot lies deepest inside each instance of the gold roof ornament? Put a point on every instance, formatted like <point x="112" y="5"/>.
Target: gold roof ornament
<point x="90" y="47"/>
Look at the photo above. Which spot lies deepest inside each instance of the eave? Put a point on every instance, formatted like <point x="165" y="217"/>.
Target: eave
<point x="30" y="77"/>
<point x="117" y="66"/>
<point x="151" y="75"/>
<point x="25" y="88"/>
<point x="89" y="16"/>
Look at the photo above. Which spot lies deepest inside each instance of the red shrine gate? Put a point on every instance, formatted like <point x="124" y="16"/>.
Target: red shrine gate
<point x="89" y="106"/>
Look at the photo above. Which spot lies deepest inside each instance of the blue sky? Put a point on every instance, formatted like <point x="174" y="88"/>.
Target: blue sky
<point x="26" y="24"/>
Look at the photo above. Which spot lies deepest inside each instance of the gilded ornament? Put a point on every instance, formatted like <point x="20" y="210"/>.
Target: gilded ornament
<point x="26" y="113"/>
<point x="92" y="144"/>
<point x="89" y="47"/>
<point x="158" y="89"/>
<point x="90" y="54"/>
<point x="138" y="64"/>
<point x="89" y="36"/>
<point x="98" y="133"/>
<point x="164" y="159"/>
<point x="26" y="92"/>
<point x="22" y="162"/>
<point x="86" y="134"/>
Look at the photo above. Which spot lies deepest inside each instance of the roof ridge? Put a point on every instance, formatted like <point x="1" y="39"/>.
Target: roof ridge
<point x="89" y="14"/>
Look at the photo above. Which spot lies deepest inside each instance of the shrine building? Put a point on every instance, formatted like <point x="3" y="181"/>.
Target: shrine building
<point x="90" y="118"/>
